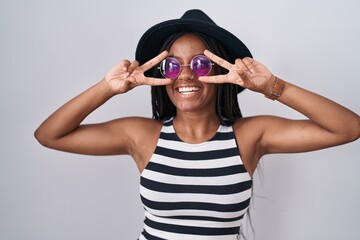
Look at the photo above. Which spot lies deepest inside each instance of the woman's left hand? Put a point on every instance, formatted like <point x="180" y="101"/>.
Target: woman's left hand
<point x="245" y="72"/>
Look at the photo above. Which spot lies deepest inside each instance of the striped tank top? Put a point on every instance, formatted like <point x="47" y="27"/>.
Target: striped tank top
<point x="194" y="191"/>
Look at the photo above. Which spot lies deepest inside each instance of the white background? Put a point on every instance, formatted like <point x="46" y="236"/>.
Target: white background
<point x="51" y="51"/>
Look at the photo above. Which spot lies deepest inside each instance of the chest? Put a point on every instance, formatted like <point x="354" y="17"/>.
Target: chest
<point x="197" y="180"/>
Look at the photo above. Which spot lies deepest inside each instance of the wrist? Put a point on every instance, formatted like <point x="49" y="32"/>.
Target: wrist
<point x="106" y="89"/>
<point x="276" y="89"/>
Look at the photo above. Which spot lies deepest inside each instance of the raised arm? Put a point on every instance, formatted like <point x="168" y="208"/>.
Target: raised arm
<point x="63" y="130"/>
<point x="328" y="124"/>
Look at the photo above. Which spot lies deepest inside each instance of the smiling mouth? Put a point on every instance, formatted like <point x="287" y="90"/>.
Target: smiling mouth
<point x="188" y="90"/>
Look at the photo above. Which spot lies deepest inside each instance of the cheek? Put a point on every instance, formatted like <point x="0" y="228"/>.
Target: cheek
<point x="169" y="91"/>
<point x="211" y="90"/>
<point x="215" y="88"/>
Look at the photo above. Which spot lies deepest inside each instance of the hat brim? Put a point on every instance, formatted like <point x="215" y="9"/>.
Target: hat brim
<point x="151" y="42"/>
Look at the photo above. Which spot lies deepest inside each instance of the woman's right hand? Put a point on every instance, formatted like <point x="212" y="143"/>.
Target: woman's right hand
<point x="63" y="130"/>
<point x="125" y="75"/>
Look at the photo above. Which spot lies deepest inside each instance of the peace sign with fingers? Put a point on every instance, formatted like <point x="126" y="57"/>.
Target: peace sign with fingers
<point x="125" y="75"/>
<point x="245" y="72"/>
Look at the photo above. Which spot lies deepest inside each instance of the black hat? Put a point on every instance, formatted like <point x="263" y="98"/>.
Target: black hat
<point x="192" y="21"/>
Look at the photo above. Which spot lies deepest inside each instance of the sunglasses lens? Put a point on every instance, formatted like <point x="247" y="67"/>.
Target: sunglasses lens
<point x="200" y="65"/>
<point x="170" y="68"/>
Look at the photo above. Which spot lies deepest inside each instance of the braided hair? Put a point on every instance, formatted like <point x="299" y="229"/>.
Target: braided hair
<point x="227" y="106"/>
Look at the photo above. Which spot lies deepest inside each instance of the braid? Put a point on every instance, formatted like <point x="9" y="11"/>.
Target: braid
<point x="162" y="106"/>
<point x="227" y="107"/>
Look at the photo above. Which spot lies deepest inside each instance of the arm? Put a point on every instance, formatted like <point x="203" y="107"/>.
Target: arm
<point x="63" y="129"/>
<point x="328" y="124"/>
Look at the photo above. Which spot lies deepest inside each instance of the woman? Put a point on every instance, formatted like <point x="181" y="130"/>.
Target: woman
<point x="197" y="154"/>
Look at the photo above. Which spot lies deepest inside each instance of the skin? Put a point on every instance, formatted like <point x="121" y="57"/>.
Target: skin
<point x="328" y="124"/>
<point x="196" y="119"/>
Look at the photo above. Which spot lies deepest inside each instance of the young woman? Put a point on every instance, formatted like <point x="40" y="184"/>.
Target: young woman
<point x="197" y="154"/>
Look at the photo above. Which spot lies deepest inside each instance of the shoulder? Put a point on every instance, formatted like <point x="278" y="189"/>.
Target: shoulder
<point x="142" y="135"/>
<point x="248" y="130"/>
<point x="137" y="126"/>
<point x="249" y="133"/>
<point x="255" y="123"/>
<point x="256" y="126"/>
<point x="139" y="121"/>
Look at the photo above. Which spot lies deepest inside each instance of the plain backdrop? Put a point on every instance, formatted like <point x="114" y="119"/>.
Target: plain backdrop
<point x="51" y="51"/>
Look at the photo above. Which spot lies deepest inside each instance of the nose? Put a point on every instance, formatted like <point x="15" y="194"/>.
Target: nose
<point x="186" y="73"/>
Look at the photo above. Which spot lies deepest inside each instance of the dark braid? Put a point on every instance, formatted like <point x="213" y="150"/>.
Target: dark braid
<point x="162" y="106"/>
<point x="227" y="107"/>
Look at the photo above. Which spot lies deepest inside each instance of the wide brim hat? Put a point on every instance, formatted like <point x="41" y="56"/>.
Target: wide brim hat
<point x="192" y="21"/>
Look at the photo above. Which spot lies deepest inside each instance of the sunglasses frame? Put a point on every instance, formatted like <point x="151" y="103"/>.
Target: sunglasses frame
<point x="182" y="66"/>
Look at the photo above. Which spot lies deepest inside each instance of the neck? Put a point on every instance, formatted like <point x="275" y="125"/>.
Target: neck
<point x="195" y="127"/>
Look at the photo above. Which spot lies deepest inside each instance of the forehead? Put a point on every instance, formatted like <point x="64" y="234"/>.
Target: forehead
<point x="187" y="44"/>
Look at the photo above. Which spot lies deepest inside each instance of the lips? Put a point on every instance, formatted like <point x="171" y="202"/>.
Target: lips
<point x="188" y="90"/>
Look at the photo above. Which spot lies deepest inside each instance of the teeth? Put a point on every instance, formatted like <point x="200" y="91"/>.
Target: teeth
<point x="188" y="90"/>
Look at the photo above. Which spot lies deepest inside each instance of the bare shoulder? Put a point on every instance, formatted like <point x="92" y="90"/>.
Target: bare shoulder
<point x="253" y="129"/>
<point x="138" y="128"/>
<point x="141" y="122"/>
<point x="246" y="124"/>
<point x="250" y="129"/>
<point x="248" y="132"/>
<point x="256" y="124"/>
<point x="143" y="134"/>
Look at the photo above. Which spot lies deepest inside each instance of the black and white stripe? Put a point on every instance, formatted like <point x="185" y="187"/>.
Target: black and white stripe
<point x="194" y="191"/>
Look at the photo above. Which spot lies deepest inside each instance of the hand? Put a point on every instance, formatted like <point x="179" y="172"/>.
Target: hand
<point x="125" y="75"/>
<point x="245" y="72"/>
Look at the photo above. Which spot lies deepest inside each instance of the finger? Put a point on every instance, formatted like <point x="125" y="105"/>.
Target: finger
<point x="124" y="63"/>
<point x="131" y="80"/>
<point x="148" y="81"/>
<point x="153" y="62"/>
<point x="217" y="79"/>
<point x="242" y="69"/>
<point x="158" y="81"/>
<point x="118" y="69"/>
<point x="240" y="65"/>
<point x="249" y="62"/>
<point x="218" y="60"/>
<point x="132" y="66"/>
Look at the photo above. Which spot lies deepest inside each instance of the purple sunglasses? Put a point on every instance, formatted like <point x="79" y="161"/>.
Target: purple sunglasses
<point x="200" y="65"/>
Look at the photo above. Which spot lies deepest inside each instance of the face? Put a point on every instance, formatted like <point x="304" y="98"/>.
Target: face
<point x="186" y="92"/>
